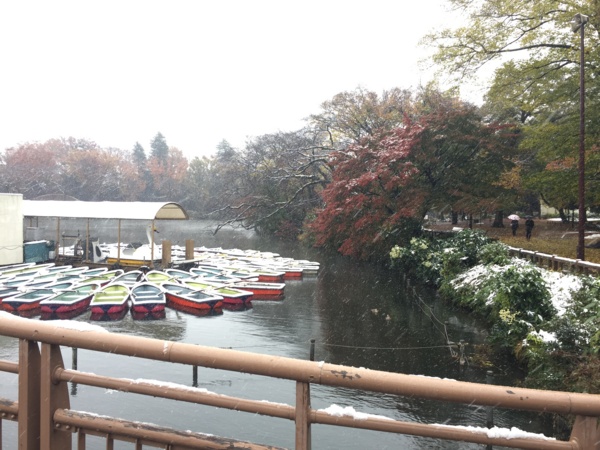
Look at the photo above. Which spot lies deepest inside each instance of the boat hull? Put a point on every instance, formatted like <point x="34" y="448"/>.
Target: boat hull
<point x="25" y="302"/>
<point x="271" y="278"/>
<point x="217" y="311"/>
<point x="293" y="274"/>
<point x="108" y="316"/>
<point x="78" y="306"/>
<point x="174" y="300"/>
<point x="264" y="291"/>
<point x="148" y="307"/>
<point x="109" y="309"/>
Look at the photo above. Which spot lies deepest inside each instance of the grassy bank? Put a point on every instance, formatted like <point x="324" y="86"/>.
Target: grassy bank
<point x="553" y="238"/>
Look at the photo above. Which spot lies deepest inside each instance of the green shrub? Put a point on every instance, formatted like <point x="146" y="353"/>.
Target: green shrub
<point x="468" y="242"/>
<point x="514" y="297"/>
<point x="494" y="253"/>
<point x="420" y="260"/>
<point x="521" y="289"/>
<point x="432" y="260"/>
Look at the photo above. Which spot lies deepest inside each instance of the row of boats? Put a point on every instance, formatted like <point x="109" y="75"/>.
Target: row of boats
<point x="216" y="280"/>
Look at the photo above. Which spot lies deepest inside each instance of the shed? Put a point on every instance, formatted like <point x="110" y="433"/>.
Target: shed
<point x="103" y="210"/>
<point x="11" y="224"/>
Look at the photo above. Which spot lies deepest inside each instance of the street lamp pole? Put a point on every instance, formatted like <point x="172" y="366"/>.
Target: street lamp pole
<point x="578" y="24"/>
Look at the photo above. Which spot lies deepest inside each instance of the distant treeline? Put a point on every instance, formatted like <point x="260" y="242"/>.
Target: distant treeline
<point x="358" y="178"/>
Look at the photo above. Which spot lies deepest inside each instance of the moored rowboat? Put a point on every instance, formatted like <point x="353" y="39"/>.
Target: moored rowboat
<point x="231" y="295"/>
<point x="27" y="300"/>
<point x="104" y="278"/>
<point x="186" y="297"/>
<point x="147" y="297"/>
<point x="110" y="299"/>
<point x="262" y="291"/>
<point x="74" y="301"/>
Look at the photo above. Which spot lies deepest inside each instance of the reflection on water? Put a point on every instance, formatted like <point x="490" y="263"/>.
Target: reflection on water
<point x="107" y="317"/>
<point x="358" y="315"/>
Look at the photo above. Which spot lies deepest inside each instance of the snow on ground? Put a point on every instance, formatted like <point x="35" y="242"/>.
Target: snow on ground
<point x="561" y="286"/>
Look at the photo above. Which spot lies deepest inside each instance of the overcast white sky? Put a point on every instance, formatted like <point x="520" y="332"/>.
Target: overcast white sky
<point x="117" y="72"/>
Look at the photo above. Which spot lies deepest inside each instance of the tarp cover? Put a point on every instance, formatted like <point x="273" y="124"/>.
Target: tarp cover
<point x="104" y="210"/>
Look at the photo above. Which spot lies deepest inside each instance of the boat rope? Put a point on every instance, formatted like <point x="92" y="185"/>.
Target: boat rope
<point x="385" y="348"/>
<point x="428" y="311"/>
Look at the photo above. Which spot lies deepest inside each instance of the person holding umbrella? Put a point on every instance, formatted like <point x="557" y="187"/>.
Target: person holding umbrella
<point x="514" y="223"/>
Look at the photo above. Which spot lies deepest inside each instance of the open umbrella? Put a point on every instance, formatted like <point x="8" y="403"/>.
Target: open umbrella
<point x="513" y="217"/>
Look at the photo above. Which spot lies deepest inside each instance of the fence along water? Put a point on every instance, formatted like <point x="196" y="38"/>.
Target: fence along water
<point x="45" y="420"/>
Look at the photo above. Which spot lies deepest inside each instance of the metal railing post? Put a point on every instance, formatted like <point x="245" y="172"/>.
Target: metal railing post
<point x="53" y="396"/>
<point x="29" y="395"/>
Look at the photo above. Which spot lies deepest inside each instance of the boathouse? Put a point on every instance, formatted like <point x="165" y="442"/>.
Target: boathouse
<point x="147" y="211"/>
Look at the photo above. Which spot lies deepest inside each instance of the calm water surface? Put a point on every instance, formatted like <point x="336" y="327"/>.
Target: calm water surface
<point x="358" y="315"/>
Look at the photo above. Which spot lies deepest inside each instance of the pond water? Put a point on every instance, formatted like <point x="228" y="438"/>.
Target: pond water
<point x="358" y="315"/>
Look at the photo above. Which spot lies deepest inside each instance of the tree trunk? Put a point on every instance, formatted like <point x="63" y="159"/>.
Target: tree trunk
<point x="454" y="217"/>
<point x="563" y="217"/>
<point x="498" y="223"/>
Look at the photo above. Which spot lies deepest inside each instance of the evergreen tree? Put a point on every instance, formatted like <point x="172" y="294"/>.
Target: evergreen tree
<point x="139" y="156"/>
<point x="159" y="148"/>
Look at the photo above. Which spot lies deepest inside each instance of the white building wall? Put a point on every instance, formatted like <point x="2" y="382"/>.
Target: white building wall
<point x="11" y="229"/>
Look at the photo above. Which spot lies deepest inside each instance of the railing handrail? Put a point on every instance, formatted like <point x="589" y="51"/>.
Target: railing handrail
<point x="303" y="370"/>
<point x="53" y="334"/>
<point x="555" y="262"/>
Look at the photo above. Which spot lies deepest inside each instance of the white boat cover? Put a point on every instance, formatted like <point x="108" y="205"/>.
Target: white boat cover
<point x="104" y="210"/>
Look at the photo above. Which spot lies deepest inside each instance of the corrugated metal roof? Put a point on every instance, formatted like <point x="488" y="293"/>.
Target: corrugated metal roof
<point x="104" y="210"/>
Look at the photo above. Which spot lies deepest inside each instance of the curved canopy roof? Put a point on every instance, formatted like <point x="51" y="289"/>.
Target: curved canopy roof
<point x="105" y="210"/>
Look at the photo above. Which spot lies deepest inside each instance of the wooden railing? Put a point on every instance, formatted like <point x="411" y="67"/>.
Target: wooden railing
<point x="551" y="262"/>
<point x="45" y="420"/>
<point x="556" y="263"/>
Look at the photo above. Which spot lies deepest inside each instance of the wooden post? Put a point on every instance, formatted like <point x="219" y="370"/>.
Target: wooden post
<point x="166" y="253"/>
<point x="57" y="244"/>
<point x="87" y="242"/>
<point x="52" y="397"/>
<point x="29" y="395"/>
<point x="119" y="242"/>
<point x="586" y="433"/>
<point x="303" y="440"/>
<point x="189" y="249"/>
<point x="74" y="358"/>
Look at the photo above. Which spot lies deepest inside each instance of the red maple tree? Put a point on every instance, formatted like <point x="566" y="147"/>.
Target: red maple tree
<point x="383" y="187"/>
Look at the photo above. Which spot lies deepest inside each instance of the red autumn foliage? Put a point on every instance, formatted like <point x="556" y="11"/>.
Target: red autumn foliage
<point x="369" y="196"/>
<point x="385" y="185"/>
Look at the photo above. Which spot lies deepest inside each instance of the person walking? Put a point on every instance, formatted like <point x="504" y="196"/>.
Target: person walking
<point x="529" y="224"/>
<point x="514" y="224"/>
